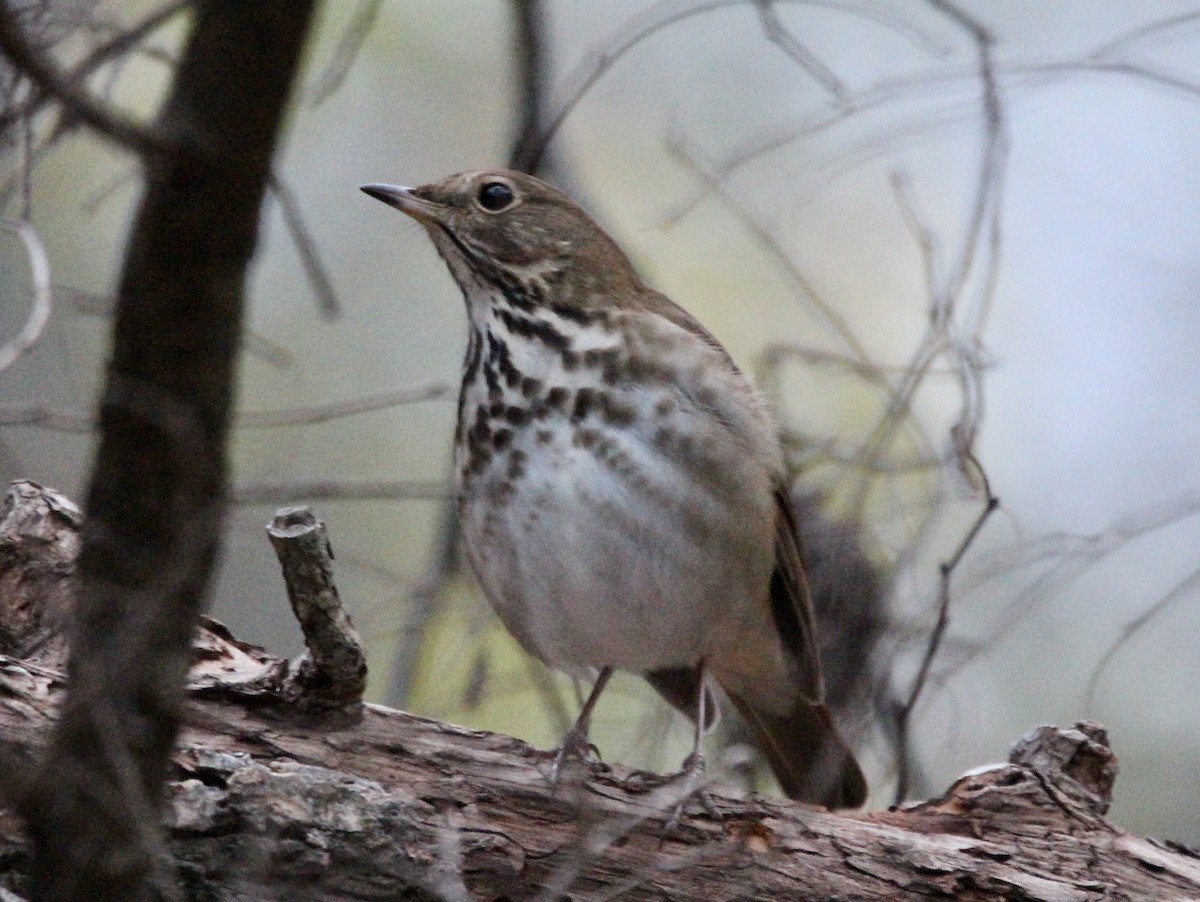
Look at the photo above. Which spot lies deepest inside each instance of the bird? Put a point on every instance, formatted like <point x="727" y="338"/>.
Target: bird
<point x="620" y="482"/>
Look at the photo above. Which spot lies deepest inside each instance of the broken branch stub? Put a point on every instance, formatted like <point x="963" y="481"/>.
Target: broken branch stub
<point x="333" y="672"/>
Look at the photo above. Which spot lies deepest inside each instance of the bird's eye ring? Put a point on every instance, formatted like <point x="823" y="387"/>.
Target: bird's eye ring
<point x="495" y="196"/>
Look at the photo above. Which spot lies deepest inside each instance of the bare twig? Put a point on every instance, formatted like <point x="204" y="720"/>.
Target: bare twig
<point x="1156" y="27"/>
<point x="1188" y="586"/>
<point x="91" y="303"/>
<point x="118" y="127"/>
<point x="1069" y="556"/>
<point x="779" y="35"/>
<point x="354" y="35"/>
<point x="66" y="421"/>
<point x="39" y="276"/>
<point x="368" y="490"/>
<point x="310" y="257"/>
<point x="321" y="413"/>
<point x="767" y="240"/>
<point x="46" y="418"/>
<point x="903" y="715"/>
<point x="671" y="12"/>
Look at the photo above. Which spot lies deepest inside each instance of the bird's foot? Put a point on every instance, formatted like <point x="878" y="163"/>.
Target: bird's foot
<point x="575" y="746"/>
<point x="693" y="785"/>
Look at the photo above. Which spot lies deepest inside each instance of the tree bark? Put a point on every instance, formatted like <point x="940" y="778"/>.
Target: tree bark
<point x="271" y="799"/>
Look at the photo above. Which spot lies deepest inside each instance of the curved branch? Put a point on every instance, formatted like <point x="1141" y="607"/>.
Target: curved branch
<point x="39" y="313"/>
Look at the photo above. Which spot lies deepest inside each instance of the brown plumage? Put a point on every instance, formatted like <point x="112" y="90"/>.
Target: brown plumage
<point x="620" y="482"/>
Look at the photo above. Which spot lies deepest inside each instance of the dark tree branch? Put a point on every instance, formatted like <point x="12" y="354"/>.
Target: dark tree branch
<point x="530" y="52"/>
<point x="156" y="499"/>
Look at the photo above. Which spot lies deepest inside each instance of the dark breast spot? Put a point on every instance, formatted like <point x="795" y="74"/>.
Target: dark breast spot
<point x="615" y="411"/>
<point x="537" y="329"/>
<point x="517" y="416"/>
<point x="585" y="438"/>
<point x="640" y="368"/>
<point x="554" y="401"/>
<point x="601" y="357"/>
<point x="585" y="398"/>
<point x="516" y="464"/>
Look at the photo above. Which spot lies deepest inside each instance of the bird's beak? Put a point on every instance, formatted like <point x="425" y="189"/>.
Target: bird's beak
<point x="404" y="200"/>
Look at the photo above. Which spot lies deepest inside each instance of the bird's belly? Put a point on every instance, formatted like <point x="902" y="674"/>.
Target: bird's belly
<point x="602" y="556"/>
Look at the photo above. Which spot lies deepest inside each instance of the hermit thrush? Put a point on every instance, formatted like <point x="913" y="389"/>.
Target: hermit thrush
<point x="620" y="482"/>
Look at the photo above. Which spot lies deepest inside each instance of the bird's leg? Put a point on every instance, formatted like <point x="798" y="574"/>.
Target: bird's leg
<point x="692" y="773"/>
<point x="576" y="743"/>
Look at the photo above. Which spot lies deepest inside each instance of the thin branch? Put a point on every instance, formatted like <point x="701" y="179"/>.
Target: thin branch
<point x="1143" y="31"/>
<point x="823" y="306"/>
<point x="1185" y="587"/>
<point x="941" y="336"/>
<point x="334" y="490"/>
<point x="779" y="35"/>
<point x="310" y="257"/>
<point x="66" y="421"/>
<point x="903" y="716"/>
<point x="321" y="413"/>
<point x="39" y="276"/>
<point x="46" y="418"/>
<point x="25" y="166"/>
<point x="663" y="15"/>
<point x="91" y="303"/>
<point x="1070" y="556"/>
<point x="354" y="35"/>
<point x="118" y="127"/>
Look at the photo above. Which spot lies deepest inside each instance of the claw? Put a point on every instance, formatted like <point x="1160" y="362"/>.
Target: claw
<point x="576" y="743"/>
<point x="694" y="787"/>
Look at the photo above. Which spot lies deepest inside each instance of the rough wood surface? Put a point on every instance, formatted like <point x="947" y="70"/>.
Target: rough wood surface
<point x="269" y="800"/>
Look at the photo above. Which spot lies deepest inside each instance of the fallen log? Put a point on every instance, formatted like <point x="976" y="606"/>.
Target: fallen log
<point x="285" y="785"/>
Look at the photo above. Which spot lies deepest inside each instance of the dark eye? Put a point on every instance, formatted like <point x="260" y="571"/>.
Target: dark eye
<point x="495" y="196"/>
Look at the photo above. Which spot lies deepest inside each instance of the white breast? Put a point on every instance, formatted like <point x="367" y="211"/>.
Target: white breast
<point x="594" y="537"/>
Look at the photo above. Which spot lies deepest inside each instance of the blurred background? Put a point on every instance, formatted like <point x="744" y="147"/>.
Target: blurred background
<point x="955" y="244"/>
